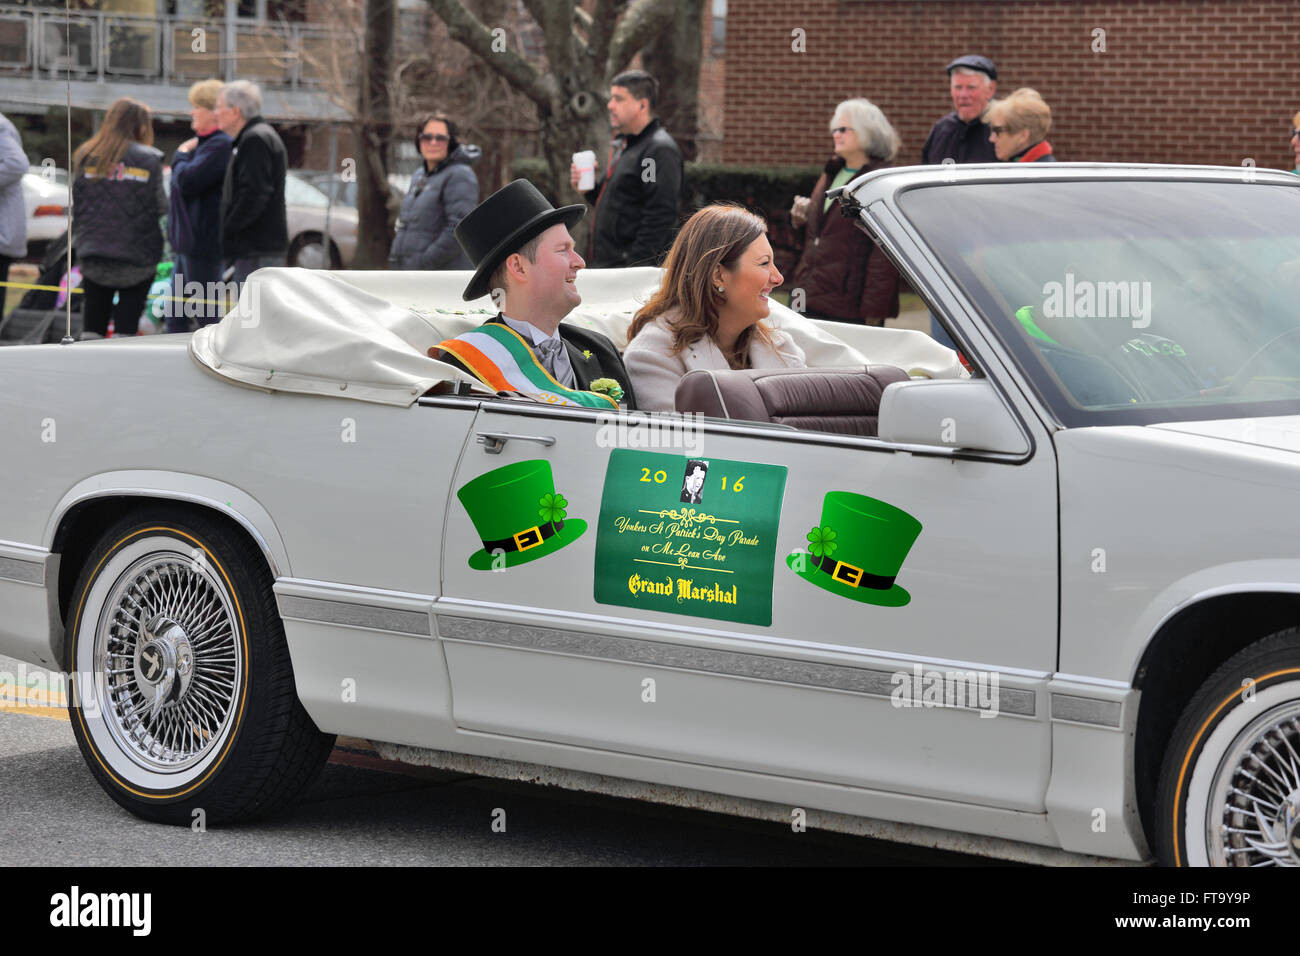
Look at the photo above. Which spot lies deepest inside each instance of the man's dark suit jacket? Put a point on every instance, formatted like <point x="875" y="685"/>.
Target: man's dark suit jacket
<point x="604" y="362"/>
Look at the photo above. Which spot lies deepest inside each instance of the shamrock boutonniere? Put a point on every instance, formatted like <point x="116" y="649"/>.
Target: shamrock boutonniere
<point x="586" y="353"/>
<point x="608" y="386"/>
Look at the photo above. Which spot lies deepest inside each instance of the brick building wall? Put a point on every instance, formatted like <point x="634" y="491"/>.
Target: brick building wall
<point x="709" y="139"/>
<point x="1179" y="81"/>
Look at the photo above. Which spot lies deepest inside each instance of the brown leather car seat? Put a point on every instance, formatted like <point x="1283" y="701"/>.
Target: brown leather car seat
<point x="841" y="400"/>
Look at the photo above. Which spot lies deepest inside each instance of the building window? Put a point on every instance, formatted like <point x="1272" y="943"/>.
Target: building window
<point x="719" y="46"/>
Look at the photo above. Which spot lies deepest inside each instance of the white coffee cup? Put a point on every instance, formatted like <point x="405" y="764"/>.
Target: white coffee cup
<point x="586" y="163"/>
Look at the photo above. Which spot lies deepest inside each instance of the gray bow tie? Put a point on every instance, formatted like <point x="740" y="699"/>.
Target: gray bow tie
<point x="549" y="352"/>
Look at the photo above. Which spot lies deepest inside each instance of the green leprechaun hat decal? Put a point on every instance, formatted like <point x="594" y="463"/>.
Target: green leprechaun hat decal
<point x="857" y="549"/>
<point x="518" y="515"/>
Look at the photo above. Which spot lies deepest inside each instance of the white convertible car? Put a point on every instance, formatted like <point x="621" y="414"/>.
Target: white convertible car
<point x="1049" y="603"/>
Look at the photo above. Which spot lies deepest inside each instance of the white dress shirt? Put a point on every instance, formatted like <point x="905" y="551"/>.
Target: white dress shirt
<point x="535" y="336"/>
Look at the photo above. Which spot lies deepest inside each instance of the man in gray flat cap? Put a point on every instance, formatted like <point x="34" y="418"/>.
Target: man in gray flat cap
<point x="962" y="135"/>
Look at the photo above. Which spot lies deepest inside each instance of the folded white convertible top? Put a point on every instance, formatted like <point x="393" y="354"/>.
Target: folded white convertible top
<point x="366" y="335"/>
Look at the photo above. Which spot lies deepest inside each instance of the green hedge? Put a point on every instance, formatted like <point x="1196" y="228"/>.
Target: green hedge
<point x="767" y="190"/>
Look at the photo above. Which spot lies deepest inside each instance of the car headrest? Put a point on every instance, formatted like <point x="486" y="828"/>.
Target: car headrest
<point x="841" y="400"/>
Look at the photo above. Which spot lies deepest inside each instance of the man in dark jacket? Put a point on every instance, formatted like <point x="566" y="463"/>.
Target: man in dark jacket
<point x="962" y="135"/>
<point x="638" y="203"/>
<point x="254" y="224"/>
<point x="194" y="216"/>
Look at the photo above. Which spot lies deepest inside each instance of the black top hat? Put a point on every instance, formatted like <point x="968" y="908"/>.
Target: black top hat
<point x="503" y="222"/>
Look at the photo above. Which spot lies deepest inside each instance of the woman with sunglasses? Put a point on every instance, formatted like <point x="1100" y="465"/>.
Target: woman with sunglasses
<point x="443" y="191"/>
<point x="1018" y="127"/>
<point x="842" y="275"/>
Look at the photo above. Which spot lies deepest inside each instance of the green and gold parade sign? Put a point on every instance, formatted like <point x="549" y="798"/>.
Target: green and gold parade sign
<point x="686" y="535"/>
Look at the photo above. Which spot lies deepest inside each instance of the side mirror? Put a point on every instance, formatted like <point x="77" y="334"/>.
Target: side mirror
<point x="963" y="413"/>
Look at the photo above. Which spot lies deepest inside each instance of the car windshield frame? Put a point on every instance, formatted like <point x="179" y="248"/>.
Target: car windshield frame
<point x="1051" y="367"/>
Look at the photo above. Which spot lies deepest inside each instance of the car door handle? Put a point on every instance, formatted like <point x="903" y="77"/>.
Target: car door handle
<point x="493" y="442"/>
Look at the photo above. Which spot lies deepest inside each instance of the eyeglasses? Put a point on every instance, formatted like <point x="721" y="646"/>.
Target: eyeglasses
<point x="434" y="138"/>
<point x="840" y="129"/>
<point x="1294" y="134"/>
<point x="999" y="130"/>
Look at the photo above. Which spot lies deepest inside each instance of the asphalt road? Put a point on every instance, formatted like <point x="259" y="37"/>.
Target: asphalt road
<point x="363" y="811"/>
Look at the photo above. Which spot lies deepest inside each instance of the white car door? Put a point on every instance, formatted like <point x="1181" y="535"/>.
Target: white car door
<point x="808" y="605"/>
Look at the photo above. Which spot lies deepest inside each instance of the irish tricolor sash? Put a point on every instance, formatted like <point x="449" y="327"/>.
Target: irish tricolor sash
<point x="499" y="356"/>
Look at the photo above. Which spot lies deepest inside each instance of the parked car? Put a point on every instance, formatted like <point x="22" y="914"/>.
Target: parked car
<point x="344" y="191"/>
<point x="307" y="207"/>
<point x="1051" y="605"/>
<point x="47" y="210"/>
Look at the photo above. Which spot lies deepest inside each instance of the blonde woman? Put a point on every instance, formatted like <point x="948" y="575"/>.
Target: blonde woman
<point x="194" y="219"/>
<point x="710" y="309"/>
<point x="1018" y="128"/>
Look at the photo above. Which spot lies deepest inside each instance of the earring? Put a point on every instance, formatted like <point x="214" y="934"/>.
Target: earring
<point x="719" y="288"/>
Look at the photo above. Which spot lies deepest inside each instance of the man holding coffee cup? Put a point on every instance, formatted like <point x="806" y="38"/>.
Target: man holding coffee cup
<point x="639" y="199"/>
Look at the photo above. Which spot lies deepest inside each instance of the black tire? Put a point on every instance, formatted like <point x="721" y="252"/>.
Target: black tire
<point x="1229" y="792"/>
<point x="172" y="593"/>
<point x="304" y="241"/>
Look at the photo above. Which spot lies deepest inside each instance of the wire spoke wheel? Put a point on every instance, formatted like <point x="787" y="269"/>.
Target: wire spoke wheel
<point x="1229" y="791"/>
<point x="183" y="698"/>
<point x="167" y="661"/>
<point x="1256" y="795"/>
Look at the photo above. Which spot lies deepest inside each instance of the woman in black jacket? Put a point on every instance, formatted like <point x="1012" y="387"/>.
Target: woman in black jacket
<point x="117" y="200"/>
<point x="842" y="275"/>
<point x="443" y="191"/>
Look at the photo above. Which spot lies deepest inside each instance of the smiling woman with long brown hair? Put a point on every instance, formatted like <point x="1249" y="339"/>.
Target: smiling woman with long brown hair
<point x="117" y="200"/>
<point x="709" y="311"/>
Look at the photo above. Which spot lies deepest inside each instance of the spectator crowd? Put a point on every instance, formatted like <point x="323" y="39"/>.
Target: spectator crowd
<point x="226" y="215"/>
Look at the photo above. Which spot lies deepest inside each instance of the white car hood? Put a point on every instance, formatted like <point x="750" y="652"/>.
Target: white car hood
<point x="1281" y="432"/>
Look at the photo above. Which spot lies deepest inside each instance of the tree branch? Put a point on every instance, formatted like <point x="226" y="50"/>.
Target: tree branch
<point x="466" y="29"/>
<point x="637" y="27"/>
<point x="599" y="34"/>
<point x="555" y="17"/>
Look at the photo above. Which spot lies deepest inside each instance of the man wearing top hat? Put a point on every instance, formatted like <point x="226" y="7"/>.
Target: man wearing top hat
<point x="962" y="135"/>
<point x="523" y="254"/>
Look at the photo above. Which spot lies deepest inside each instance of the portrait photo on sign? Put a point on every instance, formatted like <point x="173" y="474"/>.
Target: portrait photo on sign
<point x="693" y="481"/>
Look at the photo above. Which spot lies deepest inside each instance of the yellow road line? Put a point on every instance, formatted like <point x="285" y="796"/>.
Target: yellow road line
<point x="19" y="695"/>
<point x="51" y="713"/>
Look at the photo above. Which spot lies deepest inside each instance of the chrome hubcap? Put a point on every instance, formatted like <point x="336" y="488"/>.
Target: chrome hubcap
<point x="1258" y="794"/>
<point x="167" y="662"/>
<point x="164" y="663"/>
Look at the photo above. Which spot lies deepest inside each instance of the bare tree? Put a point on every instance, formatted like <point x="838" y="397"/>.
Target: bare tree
<point x="582" y="49"/>
<point x="673" y="58"/>
<point x="374" y="229"/>
<point x="433" y="73"/>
